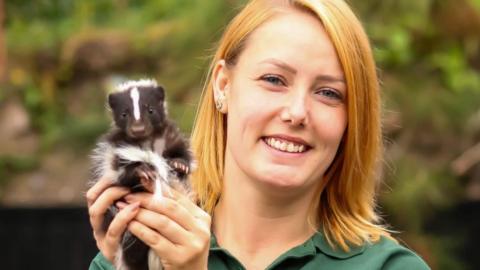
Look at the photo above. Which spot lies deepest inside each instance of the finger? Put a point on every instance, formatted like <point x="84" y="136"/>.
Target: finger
<point x="97" y="189"/>
<point x="99" y="207"/>
<point x="162" y="246"/>
<point x="121" y="205"/>
<point x="191" y="207"/>
<point x="165" y="226"/>
<point x="185" y="202"/>
<point x="119" y="224"/>
<point x="165" y="206"/>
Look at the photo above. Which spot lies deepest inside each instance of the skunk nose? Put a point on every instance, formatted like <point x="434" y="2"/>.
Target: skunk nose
<point x="138" y="130"/>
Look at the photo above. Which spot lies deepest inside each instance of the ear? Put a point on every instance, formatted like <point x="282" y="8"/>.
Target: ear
<point x="221" y="85"/>
<point x="159" y="98"/>
<point x="159" y="93"/>
<point x="112" y="101"/>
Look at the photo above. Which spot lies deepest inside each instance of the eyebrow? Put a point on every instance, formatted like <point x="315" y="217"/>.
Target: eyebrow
<point x="285" y="66"/>
<point x="330" y="79"/>
<point x="280" y="64"/>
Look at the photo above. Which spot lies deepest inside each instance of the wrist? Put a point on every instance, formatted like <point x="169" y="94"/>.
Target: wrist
<point x="108" y="257"/>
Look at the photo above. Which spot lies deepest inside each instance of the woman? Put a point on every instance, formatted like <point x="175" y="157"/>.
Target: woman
<point x="287" y="138"/>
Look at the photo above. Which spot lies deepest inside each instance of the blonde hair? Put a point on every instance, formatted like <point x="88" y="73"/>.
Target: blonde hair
<point x="344" y="206"/>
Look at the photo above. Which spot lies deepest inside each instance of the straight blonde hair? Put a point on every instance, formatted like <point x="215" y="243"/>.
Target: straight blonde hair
<point x="344" y="205"/>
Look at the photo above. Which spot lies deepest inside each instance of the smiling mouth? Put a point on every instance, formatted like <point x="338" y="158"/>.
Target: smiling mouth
<point x="285" y="145"/>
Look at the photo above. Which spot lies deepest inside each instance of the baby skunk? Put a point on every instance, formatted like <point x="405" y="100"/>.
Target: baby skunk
<point x="144" y="151"/>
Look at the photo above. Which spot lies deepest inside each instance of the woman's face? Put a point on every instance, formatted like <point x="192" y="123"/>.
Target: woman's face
<point x="286" y="99"/>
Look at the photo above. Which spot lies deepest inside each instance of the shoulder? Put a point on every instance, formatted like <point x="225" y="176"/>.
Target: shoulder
<point x="391" y="255"/>
<point x="384" y="254"/>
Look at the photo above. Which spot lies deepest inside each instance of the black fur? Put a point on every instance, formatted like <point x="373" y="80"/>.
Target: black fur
<point x="153" y="127"/>
<point x="155" y="122"/>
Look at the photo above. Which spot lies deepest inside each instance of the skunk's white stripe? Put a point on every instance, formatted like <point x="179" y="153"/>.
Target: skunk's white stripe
<point x="135" y="101"/>
<point x="135" y="154"/>
<point x="140" y="83"/>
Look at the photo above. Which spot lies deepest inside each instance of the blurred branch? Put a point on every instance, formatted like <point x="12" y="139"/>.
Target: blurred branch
<point x="3" y="54"/>
<point x="456" y="18"/>
<point x="467" y="160"/>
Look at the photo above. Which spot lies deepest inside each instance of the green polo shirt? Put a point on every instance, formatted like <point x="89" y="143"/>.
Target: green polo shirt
<point x="315" y="254"/>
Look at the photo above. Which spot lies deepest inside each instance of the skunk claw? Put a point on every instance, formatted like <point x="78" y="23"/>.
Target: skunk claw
<point x="180" y="167"/>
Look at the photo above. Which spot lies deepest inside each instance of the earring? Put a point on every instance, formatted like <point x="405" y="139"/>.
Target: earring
<point x="220" y="102"/>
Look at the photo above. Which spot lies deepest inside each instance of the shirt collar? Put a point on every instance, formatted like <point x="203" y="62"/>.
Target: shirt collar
<point x="321" y="243"/>
<point x="310" y="247"/>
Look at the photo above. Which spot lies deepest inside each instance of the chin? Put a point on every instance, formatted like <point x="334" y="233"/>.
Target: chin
<point x="283" y="180"/>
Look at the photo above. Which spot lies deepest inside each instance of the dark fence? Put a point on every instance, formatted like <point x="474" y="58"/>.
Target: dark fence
<point x="461" y="225"/>
<point x="50" y="238"/>
<point x="61" y="238"/>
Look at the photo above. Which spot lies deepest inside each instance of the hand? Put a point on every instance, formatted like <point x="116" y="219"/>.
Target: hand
<point x="175" y="228"/>
<point x="99" y="197"/>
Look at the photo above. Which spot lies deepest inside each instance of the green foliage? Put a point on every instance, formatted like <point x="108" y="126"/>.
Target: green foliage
<point x="83" y="131"/>
<point x="456" y="71"/>
<point x="170" y="35"/>
<point x="443" y="247"/>
<point x="11" y="165"/>
<point x="427" y="55"/>
<point x="418" y="189"/>
<point x="430" y="75"/>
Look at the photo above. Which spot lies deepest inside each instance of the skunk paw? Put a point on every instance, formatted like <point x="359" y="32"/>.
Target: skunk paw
<point x="180" y="166"/>
<point x="147" y="176"/>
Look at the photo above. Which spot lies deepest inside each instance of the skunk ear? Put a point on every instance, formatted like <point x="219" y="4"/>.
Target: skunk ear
<point x="112" y="101"/>
<point x="159" y="93"/>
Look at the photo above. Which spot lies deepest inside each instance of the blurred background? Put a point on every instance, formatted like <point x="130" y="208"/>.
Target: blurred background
<point x="58" y="58"/>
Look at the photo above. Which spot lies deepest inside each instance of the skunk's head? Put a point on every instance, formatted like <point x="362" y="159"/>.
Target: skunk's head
<point x="138" y="108"/>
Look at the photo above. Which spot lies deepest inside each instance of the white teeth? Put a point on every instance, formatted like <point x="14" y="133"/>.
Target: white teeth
<point x="290" y="147"/>
<point x="285" y="146"/>
<point x="277" y="144"/>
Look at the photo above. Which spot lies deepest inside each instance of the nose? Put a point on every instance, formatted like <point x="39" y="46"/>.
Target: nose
<point x="295" y="112"/>
<point x="138" y="129"/>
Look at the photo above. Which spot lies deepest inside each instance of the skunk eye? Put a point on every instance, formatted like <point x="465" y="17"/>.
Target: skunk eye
<point x="150" y="110"/>
<point x="124" y="115"/>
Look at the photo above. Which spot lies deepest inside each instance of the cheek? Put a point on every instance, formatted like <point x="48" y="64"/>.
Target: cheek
<point x="241" y="123"/>
<point x="249" y="112"/>
<point x="153" y="118"/>
<point x="330" y="125"/>
<point x="120" y="122"/>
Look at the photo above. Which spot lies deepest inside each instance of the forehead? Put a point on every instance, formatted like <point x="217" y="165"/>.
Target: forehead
<point x="296" y="37"/>
<point x="145" y="95"/>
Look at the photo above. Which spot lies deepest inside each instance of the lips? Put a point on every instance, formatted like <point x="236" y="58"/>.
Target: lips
<point x="284" y="144"/>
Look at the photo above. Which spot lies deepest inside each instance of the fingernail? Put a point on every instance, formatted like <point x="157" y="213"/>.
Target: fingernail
<point x="121" y="205"/>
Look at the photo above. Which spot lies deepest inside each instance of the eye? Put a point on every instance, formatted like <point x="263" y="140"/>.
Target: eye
<point x="273" y="79"/>
<point x="150" y="110"/>
<point x="124" y="115"/>
<point x="330" y="93"/>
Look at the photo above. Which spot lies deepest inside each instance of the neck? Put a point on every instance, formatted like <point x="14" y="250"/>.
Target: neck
<point x="257" y="227"/>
